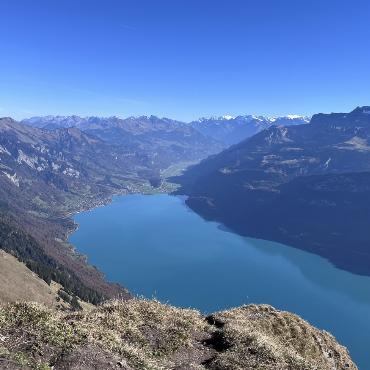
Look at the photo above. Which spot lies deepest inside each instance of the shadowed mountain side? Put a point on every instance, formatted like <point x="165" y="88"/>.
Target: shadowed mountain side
<point x="305" y="185"/>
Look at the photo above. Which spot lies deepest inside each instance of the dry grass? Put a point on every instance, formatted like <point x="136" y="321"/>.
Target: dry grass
<point x="145" y="334"/>
<point x="25" y="285"/>
<point x="260" y="337"/>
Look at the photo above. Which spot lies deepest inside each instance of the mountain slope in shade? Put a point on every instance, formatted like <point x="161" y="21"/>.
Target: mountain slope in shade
<point x="232" y="130"/>
<point x="304" y="185"/>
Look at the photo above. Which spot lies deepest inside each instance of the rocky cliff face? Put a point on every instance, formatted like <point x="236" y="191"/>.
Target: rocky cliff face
<point x="140" y="334"/>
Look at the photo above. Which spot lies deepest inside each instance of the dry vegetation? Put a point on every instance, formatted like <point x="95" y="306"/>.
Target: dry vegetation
<point x="261" y="337"/>
<point x="143" y="334"/>
<point x="25" y="285"/>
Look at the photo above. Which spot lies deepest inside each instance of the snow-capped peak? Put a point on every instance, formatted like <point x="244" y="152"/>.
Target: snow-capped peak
<point x="227" y="117"/>
<point x="293" y="116"/>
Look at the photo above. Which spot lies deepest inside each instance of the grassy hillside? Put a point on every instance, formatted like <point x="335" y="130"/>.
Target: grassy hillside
<point x="18" y="283"/>
<point x="141" y="334"/>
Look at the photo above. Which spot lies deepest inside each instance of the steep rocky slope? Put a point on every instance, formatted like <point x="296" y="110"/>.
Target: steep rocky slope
<point x="140" y="334"/>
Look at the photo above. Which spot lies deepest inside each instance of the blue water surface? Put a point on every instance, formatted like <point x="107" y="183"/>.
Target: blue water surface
<point x="157" y="247"/>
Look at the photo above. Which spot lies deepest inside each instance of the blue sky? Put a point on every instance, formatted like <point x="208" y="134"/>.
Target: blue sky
<point x="183" y="58"/>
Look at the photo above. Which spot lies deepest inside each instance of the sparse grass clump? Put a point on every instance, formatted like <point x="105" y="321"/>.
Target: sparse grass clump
<point x="45" y="324"/>
<point x="146" y="331"/>
<point x="27" y="330"/>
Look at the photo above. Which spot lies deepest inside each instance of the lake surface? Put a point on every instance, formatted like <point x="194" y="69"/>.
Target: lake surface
<point x="157" y="247"/>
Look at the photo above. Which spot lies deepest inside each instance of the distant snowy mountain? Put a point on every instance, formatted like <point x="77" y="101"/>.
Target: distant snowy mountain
<point x="231" y="130"/>
<point x="227" y="129"/>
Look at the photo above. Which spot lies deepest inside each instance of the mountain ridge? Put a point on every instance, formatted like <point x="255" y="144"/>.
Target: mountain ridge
<point x="227" y="129"/>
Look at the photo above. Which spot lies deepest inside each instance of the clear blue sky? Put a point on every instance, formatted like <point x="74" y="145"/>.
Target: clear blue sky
<point x="183" y="58"/>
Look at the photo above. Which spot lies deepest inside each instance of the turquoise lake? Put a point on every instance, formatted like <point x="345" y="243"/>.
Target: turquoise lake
<point x="157" y="247"/>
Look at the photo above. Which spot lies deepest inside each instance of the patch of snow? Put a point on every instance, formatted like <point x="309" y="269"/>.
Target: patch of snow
<point x="13" y="178"/>
<point x="42" y="149"/>
<point x="71" y="172"/>
<point x="29" y="161"/>
<point x="228" y="117"/>
<point x="4" y="150"/>
<point x="326" y="164"/>
<point x="55" y="166"/>
<point x="225" y="170"/>
<point x="292" y="149"/>
<point x="258" y="118"/>
<point x="293" y="116"/>
<point x="291" y="161"/>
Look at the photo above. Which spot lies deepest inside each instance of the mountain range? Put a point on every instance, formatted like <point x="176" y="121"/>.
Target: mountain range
<point x="160" y="142"/>
<point x="305" y="185"/>
<point x="231" y="130"/>
<point x="226" y="130"/>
